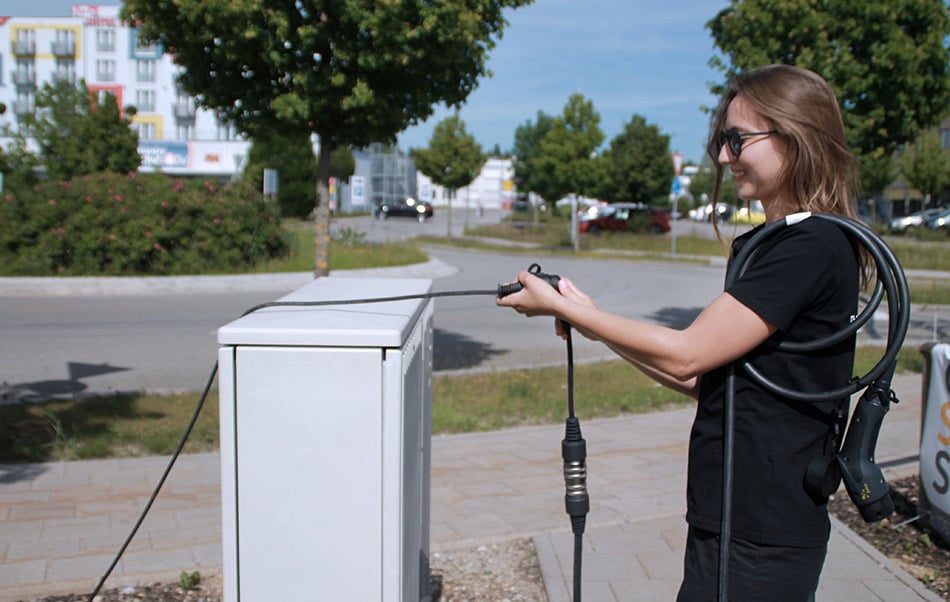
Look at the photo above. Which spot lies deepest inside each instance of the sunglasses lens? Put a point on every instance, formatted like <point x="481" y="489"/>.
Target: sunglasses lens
<point x="736" y="142"/>
<point x="732" y="138"/>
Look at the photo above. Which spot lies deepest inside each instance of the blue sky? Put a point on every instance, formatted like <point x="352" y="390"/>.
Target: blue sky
<point x="643" y="57"/>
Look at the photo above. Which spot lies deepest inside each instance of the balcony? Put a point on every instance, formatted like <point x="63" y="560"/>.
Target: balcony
<point x="24" y="48"/>
<point x="24" y="107"/>
<point x="63" y="48"/>
<point x="24" y="78"/>
<point x="184" y="110"/>
<point x="64" y="77"/>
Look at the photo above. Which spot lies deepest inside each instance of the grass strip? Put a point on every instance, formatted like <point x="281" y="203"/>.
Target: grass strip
<point x="152" y="424"/>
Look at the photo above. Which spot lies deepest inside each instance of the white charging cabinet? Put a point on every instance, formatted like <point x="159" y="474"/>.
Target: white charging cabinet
<point x="325" y="441"/>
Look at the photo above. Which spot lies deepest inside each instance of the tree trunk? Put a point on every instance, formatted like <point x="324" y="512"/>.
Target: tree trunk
<point x="321" y="220"/>
<point x="448" y="215"/>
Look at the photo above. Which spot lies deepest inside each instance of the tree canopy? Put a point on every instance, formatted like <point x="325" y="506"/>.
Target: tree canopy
<point x="453" y="158"/>
<point x="79" y="134"/>
<point x="640" y="164"/>
<point x="926" y="165"/>
<point x="887" y="60"/>
<point x="564" y="159"/>
<point x="527" y="146"/>
<point x="351" y="72"/>
<point x="290" y="153"/>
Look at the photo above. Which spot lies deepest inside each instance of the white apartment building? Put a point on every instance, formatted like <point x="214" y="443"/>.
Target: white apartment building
<point x="95" y="46"/>
<point x="492" y="189"/>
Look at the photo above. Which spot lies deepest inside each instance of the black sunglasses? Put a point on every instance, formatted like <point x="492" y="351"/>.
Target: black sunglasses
<point x="733" y="138"/>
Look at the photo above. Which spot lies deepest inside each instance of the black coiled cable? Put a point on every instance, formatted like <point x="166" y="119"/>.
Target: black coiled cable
<point x="890" y="281"/>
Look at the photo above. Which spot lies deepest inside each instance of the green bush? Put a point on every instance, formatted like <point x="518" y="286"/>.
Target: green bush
<point x="111" y="224"/>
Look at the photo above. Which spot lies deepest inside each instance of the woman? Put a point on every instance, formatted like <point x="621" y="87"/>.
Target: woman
<point x="779" y="129"/>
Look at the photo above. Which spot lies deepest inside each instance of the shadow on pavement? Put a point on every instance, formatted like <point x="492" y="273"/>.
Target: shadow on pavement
<point x="453" y="351"/>
<point x="46" y="390"/>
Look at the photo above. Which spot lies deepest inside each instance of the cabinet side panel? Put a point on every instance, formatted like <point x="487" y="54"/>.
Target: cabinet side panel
<point x="309" y="466"/>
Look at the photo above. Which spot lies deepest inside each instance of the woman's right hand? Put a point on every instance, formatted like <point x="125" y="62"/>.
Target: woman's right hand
<point x="572" y="294"/>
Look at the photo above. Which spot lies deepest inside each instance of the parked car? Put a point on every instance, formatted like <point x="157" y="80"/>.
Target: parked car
<point x="408" y="207"/>
<point x="939" y="221"/>
<point x="620" y="217"/>
<point x="704" y="213"/>
<point x="914" y="220"/>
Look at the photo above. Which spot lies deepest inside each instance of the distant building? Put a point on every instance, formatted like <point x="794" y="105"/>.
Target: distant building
<point x="492" y="189"/>
<point x="386" y="175"/>
<point x="175" y="136"/>
<point x="95" y="46"/>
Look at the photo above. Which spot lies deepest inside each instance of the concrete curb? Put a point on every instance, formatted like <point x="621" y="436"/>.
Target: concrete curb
<point x="151" y="285"/>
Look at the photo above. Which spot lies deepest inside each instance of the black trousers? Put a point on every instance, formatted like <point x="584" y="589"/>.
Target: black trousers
<point x="757" y="573"/>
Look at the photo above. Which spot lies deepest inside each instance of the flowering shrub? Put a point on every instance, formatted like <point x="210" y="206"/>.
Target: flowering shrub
<point x="110" y="224"/>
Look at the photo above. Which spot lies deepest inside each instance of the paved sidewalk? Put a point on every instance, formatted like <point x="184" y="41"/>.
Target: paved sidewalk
<point x="61" y="523"/>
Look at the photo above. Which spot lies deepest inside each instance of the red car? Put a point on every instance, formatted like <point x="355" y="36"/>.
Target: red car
<point x="619" y="216"/>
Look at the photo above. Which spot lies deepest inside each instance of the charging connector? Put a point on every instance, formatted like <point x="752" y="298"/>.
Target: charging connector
<point x="862" y="476"/>
<point x="506" y="289"/>
<point x="574" y="454"/>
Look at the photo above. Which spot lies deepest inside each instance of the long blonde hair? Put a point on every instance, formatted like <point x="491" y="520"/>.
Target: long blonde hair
<point x="820" y="172"/>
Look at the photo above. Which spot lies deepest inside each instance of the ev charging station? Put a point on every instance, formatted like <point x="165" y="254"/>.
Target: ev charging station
<point x="325" y="415"/>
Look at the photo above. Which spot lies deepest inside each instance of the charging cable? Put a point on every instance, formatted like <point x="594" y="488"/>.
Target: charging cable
<point x="573" y="447"/>
<point x="854" y="463"/>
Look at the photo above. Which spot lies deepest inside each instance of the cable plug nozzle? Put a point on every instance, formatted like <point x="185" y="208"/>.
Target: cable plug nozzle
<point x="507" y="289"/>
<point x="574" y="453"/>
<point x="863" y="478"/>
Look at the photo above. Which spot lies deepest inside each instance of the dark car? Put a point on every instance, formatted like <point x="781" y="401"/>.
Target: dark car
<point x="624" y="216"/>
<point x="914" y="220"/>
<point x="939" y="221"/>
<point x="409" y="207"/>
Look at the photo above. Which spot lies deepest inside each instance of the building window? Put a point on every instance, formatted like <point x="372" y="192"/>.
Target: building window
<point x="142" y="49"/>
<point x="146" y="131"/>
<point x="105" y="70"/>
<point x="65" y="71"/>
<point x="24" y="103"/>
<point x="226" y="132"/>
<point x="105" y="40"/>
<point x="64" y="43"/>
<point x="185" y="131"/>
<point x="25" y="73"/>
<point x="25" y="42"/>
<point x="145" y="100"/>
<point x="145" y="71"/>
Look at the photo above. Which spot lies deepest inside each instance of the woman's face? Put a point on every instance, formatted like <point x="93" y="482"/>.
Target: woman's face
<point x="757" y="170"/>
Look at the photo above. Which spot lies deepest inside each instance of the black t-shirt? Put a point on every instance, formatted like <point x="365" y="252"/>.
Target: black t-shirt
<point x="804" y="281"/>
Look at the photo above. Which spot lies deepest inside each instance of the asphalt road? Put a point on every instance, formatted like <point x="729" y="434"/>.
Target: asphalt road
<point x="164" y="338"/>
<point x="167" y="340"/>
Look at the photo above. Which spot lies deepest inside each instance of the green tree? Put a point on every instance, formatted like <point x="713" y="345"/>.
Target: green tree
<point x="79" y="134"/>
<point x="453" y="158"/>
<point x="887" y="60"/>
<point x="926" y="165"/>
<point x="565" y="160"/>
<point x="641" y="167"/>
<point x="878" y="170"/>
<point x="351" y="72"/>
<point x="528" y="137"/>
<point x="342" y="163"/>
<point x="291" y="154"/>
<point x="702" y="184"/>
<point x="18" y="165"/>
